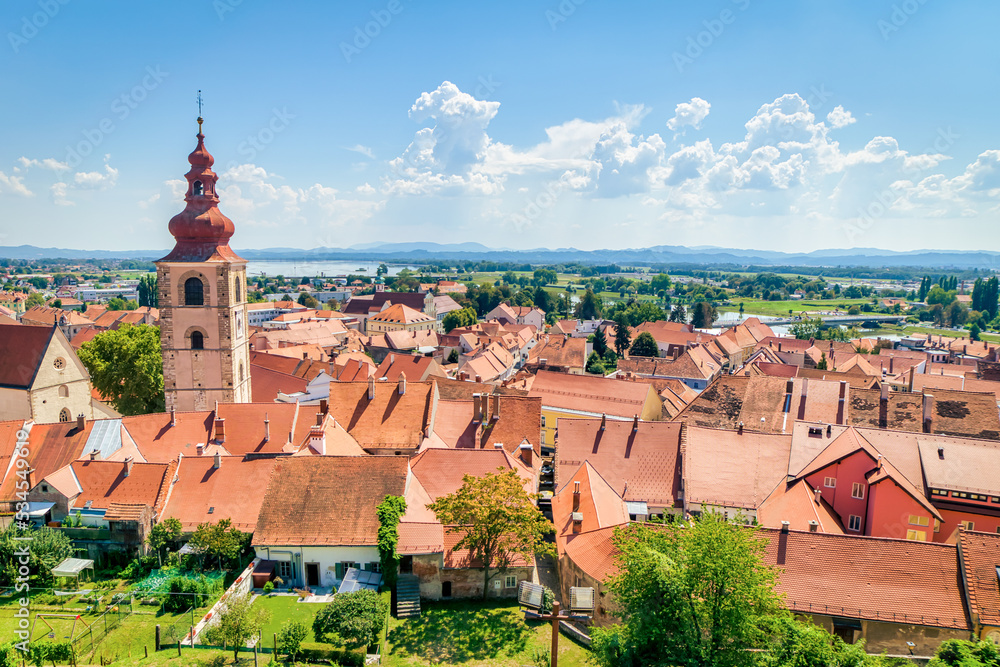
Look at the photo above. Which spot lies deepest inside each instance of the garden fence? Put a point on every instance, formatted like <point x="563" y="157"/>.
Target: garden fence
<point x="86" y="641"/>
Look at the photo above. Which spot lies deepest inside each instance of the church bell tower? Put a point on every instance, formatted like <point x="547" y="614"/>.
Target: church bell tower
<point x="202" y="293"/>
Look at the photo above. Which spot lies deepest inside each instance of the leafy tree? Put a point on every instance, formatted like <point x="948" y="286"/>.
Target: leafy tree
<point x="702" y="315"/>
<point x="803" y="644"/>
<point x="389" y="513"/>
<point x="600" y="342"/>
<point x="125" y="365"/>
<point x="307" y="300"/>
<point x="465" y="317"/>
<point x="542" y="300"/>
<point x="219" y="540"/>
<point x="148" y="292"/>
<point x="56" y="303"/>
<point x="497" y="519"/>
<point x="938" y="295"/>
<point x="696" y="593"/>
<point x="594" y="364"/>
<point x="822" y="363"/>
<point x="47" y="548"/>
<point x="975" y="331"/>
<point x="163" y="534"/>
<point x="660" y="282"/>
<point x="854" y="310"/>
<point x="806" y="329"/>
<point x="678" y="314"/>
<point x="290" y="637"/>
<point x="962" y="653"/>
<point x="381" y="270"/>
<point x="34" y="299"/>
<point x="644" y="346"/>
<point x="589" y="307"/>
<point x="453" y="355"/>
<point x="623" y="335"/>
<point x="352" y="619"/>
<point x="237" y="622"/>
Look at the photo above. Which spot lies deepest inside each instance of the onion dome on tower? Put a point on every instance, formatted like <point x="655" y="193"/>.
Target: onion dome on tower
<point x="201" y="230"/>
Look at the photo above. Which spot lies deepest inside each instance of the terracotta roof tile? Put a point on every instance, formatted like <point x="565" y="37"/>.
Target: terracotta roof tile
<point x="797" y="503"/>
<point x="327" y="500"/>
<point x="559" y="352"/>
<point x="598" y="505"/>
<point x="980" y="553"/>
<point x="440" y="471"/>
<point x="231" y="491"/>
<point x="50" y="447"/>
<point x="390" y="420"/>
<point x="594" y="553"/>
<point x="23" y="346"/>
<point x="401" y="314"/>
<point x="755" y="464"/>
<point x="585" y="393"/>
<point x="420" y="538"/>
<point x="461" y="558"/>
<point x="105" y="482"/>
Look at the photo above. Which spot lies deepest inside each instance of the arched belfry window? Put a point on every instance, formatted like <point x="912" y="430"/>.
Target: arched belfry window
<point x="194" y="292"/>
<point x="197" y="340"/>
<point x="198" y="188"/>
<point x="64" y="415"/>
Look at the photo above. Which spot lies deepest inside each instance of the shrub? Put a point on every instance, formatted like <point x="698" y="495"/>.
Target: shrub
<point x="290" y="637"/>
<point x="202" y="587"/>
<point x="268" y="587"/>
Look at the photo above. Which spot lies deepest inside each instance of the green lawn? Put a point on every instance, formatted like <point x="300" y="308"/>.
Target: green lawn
<point x="781" y="308"/>
<point x="487" y="634"/>
<point x="283" y="608"/>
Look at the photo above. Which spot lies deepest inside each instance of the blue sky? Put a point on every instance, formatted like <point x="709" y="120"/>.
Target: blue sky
<point x="791" y="126"/>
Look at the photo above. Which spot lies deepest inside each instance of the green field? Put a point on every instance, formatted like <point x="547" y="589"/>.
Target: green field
<point x="781" y="308"/>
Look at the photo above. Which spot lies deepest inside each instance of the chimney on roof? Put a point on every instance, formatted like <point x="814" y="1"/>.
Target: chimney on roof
<point x="784" y="527"/>
<point x="319" y="418"/>
<point x="817" y="495"/>
<point x="779" y="346"/>
<point x="200" y="448"/>
<point x="941" y="453"/>
<point x="497" y="445"/>
<point x="477" y="409"/>
<point x="218" y="461"/>
<point x="883" y="407"/>
<point x="928" y="412"/>
<point x="892" y="358"/>
<point x="577" y="522"/>
<point x="173" y="416"/>
<point x="576" y="496"/>
<point x="910" y="386"/>
<point x="317" y="439"/>
<point x="878" y="462"/>
<point x="496" y="407"/>
<point x="128" y="465"/>
<point x="635" y="423"/>
<point x="93" y="455"/>
<point x="267" y="428"/>
<point x="324" y="406"/>
<point x="479" y="379"/>
<point x="220" y="429"/>
<point x="813" y="525"/>
<point x="739" y="428"/>
<point x="371" y="388"/>
<point x="604" y="421"/>
<point x="402" y="383"/>
<point x="527" y="452"/>
<point x="841" y="414"/>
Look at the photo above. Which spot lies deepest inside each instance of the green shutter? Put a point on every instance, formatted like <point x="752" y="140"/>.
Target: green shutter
<point x="340" y="571"/>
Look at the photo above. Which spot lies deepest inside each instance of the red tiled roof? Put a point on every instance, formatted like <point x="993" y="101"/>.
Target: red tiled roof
<point x="401" y="314"/>
<point x="420" y="538"/>
<point x="594" y="553"/>
<point x="23" y="348"/>
<point x="231" y="491"/>
<point x="105" y="482"/>
<point x="160" y="442"/>
<point x="598" y="506"/>
<point x="797" y="503"/>
<point x="596" y="395"/>
<point x="441" y="471"/>
<point x="50" y="447"/>
<point x="390" y="420"/>
<point x="754" y="464"/>
<point x="327" y="500"/>
<point x="980" y="553"/>
<point x="640" y="465"/>
<point x="461" y="558"/>
<point x="265" y="384"/>
<point x="868" y="578"/>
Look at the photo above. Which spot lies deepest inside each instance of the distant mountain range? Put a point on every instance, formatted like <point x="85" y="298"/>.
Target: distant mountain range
<point x="655" y="255"/>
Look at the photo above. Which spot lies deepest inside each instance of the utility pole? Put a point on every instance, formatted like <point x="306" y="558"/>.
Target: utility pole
<point x="555" y="618"/>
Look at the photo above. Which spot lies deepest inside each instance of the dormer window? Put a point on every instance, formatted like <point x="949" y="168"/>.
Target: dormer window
<point x="198" y="188"/>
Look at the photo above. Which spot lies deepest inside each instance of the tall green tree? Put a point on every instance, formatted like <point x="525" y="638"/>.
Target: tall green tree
<point x="542" y="300"/>
<point x="219" y="540"/>
<point x="237" y="622"/>
<point x="623" y="334"/>
<point x="697" y="593"/>
<point x="644" y="345"/>
<point x="162" y="535"/>
<point x="125" y="365"/>
<point x="589" y="307"/>
<point x="703" y="315"/>
<point x="600" y="342"/>
<point x="497" y="519"/>
<point x="148" y="294"/>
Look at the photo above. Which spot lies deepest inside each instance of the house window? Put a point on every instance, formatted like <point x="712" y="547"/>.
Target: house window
<point x="917" y="535"/>
<point x="858" y="491"/>
<point x="285" y="569"/>
<point x="969" y="525"/>
<point x="854" y="523"/>
<point x="194" y="292"/>
<point x="541" y="437"/>
<point x="236" y="290"/>
<point x="919" y="520"/>
<point x="830" y="482"/>
<point x="45" y="488"/>
<point x="510" y="581"/>
<point x="938" y="492"/>
<point x="374" y="566"/>
<point x="64" y="415"/>
<point x="937" y="526"/>
<point x="197" y="340"/>
<point x="543" y="421"/>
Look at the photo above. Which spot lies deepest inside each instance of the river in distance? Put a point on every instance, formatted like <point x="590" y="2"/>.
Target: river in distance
<point x="316" y="268"/>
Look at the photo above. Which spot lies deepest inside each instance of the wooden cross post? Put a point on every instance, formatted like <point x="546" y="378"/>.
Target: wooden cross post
<point x="555" y="618"/>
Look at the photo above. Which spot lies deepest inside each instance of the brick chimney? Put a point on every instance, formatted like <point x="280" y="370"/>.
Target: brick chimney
<point x="527" y="452"/>
<point x="371" y="388"/>
<point x="319" y="418"/>
<point x="892" y="358"/>
<point x="496" y="407"/>
<point x="813" y="525"/>
<point x="401" y="388"/>
<point x="739" y="428"/>
<point x="173" y="416"/>
<point x="267" y="428"/>
<point x="883" y="407"/>
<point x="818" y="495"/>
<point x="784" y="527"/>
<point x="928" y="412"/>
<point x="81" y="422"/>
<point x="635" y="423"/>
<point x="604" y="421"/>
<point x="324" y="406"/>
<point x="577" y="522"/>
<point x="128" y="466"/>
<point x="477" y="408"/>
<point x="841" y="411"/>
<point x="220" y="429"/>
<point x="200" y="448"/>
<point x="218" y="461"/>
<point x="576" y="496"/>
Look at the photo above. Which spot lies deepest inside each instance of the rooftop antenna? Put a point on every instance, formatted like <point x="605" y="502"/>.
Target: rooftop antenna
<point x="200" y="119"/>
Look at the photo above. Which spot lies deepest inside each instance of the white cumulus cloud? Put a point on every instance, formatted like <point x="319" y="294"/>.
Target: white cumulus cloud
<point x="689" y="114"/>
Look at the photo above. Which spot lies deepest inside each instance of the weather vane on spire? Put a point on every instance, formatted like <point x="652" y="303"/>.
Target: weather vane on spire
<point x="199" y="112"/>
